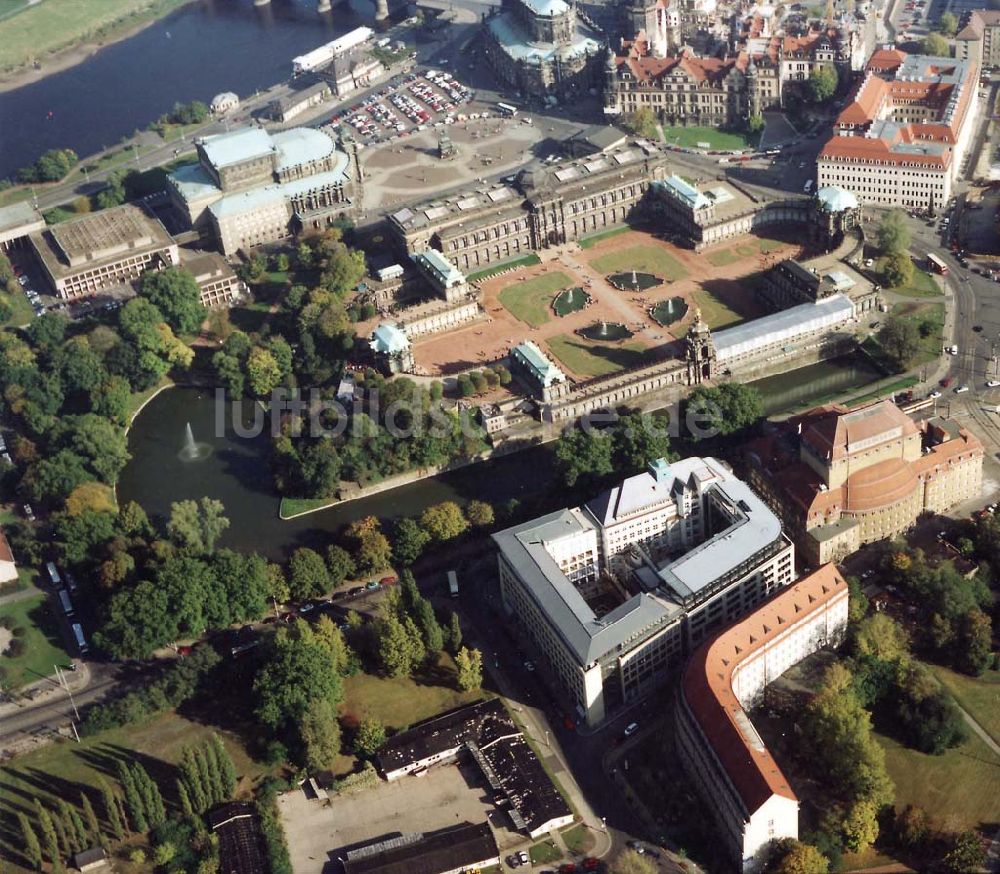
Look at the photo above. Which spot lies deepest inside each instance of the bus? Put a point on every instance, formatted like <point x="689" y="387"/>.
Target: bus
<point x="81" y="641"/>
<point x="67" y="605"/>
<point x="452" y="584"/>
<point x="50" y="566"/>
<point x="506" y="110"/>
<point x="936" y="265"/>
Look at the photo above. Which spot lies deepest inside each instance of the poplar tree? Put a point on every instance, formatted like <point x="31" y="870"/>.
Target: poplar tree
<point x="133" y="798"/>
<point x="31" y="849"/>
<point x="151" y="797"/>
<point x="112" y="813"/>
<point x="227" y="770"/>
<point x="192" y="779"/>
<point x="90" y="818"/>
<point x="208" y="776"/>
<point x="185" y="799"/>
<point x="48" y="832"/>
<point x="454" y="633"/>
<point x="59" y="823"/>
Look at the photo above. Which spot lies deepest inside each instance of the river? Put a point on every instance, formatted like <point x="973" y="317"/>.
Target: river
<point x="196" y="52"/>
<point x="236" y="473"/>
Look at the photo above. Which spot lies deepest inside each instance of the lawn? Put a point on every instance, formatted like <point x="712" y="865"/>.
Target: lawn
<point x="648" y="259"/>
<point x="544" y="853"/>
<point x="760" y="246"/>
<point x="292" y="507"/>
<point x="43" y="645"/>
<point x="525" y="261"/>
<point x="887" y="388"/>
<point x="596" y="359"/>
<point x="923" y="283"/>
<point x="594" y="239"/>
<point x="52" y="25"/>
<point x="931" y="316"/>
<point x="979" y="695"/>
<point x="63" y="769"/>
<point x="693" y="137"/>
<point x="716" y="313"/>
<point x="531" y="300"/>
<point x="137" y="400"/>
<point x="961" y="784"/>
<point x="404" y="701"/>
<point x="21" y="312"/>
<point x="578" y="839"/>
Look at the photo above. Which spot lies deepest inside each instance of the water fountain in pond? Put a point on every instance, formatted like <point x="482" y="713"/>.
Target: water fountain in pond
<point x="668" y="311"/>
<point x="634" y="281"/>
<point x="608" y="332"/>
<point x="192" y="450"/>
<point x="569" y="301"/>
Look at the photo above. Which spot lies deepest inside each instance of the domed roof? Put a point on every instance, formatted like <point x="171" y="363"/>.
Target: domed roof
<point x="834" y="199"/>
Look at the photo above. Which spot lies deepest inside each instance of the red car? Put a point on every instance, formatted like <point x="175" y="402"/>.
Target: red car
<point x="946" y="382"/>
<point x="388" y="581"/>
<point x="590" y="863"/>
<point x="568" y="868"/>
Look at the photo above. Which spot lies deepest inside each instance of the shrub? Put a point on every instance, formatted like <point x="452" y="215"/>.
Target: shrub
<point x="16" y="648"/>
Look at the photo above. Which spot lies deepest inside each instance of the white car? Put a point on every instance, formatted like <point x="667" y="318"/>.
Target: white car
<point x="934" y="394"/>
<point x="992" y="383"/>
<point x="961" y="388"/>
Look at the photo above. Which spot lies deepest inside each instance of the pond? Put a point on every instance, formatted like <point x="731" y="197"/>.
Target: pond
<point x="608" y="332"/>
<point x="569" y="301"/>
<point x="666" y="312"/>
<point x="634" y="281"/>
<point x="235" y="470"/>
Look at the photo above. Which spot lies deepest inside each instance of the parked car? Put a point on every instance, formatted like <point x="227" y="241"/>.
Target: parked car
<point x="961" y="388"/>
<point x="372" y="584"/>
<point x="29" y="513"/>
<point x="631" y="729"/>
<point x="523" y="857"/>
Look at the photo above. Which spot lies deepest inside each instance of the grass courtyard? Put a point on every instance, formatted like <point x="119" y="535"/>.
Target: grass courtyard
<point x="530" y="301"/>
<point x="697" y="137"/>
<point x="735" y="254"/>
<point x="647" y="259"/>
<point x="979" y="695"/>
<point x="923" y="284"/>
<point x="42" y="644"/>
<point x="596" y="359"/>
<point x="929" y="319"/>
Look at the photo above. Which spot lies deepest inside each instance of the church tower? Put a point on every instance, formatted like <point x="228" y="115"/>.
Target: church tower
<point x="700" y="351"/>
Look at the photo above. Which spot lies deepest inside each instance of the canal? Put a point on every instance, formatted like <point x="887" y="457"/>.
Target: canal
<point x="202" y="49"/>
<point x="235" y="471"/>
<point x="815" y="383"/>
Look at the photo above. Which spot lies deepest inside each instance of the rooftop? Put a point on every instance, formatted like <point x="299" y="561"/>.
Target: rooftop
<point x="708" y="685"/>
<point x="301" y="145"/>
<point x="509" y="33"/>
<point x="547" y="7"/>
<point x="440" y="267"/>
<point x="456" y="848"/>
<point x="542" y="368"/>
<point x="685" y="192"/>
<point x="387" y="339"/>
<point x="834" y="199"/>
<point x="241" y="848"/>
<point x="244" y="144"/>
<point x="787" y="325"/>
<point x="20" y="215"/>
<point x="837" y="432"/>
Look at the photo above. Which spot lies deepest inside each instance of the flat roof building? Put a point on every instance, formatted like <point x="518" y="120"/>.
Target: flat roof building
<point x="17" y="221"/>
<point x="741" y="783"/>
<point x="464" y="847"/>
<point x="535" y="367"/>
<point x="614" y="592"/>
<point x="103" y="250"/>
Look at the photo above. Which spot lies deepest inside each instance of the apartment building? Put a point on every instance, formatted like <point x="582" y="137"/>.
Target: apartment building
<point x="901" y="139"/>
<point x="750" y="798"/>
<point x="615" y="592"/>
<point x="843" y="477"/>
<point x="979" y="40"/>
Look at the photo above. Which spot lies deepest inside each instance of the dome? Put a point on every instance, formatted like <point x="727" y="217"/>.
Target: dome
<point x="834" y="199"/>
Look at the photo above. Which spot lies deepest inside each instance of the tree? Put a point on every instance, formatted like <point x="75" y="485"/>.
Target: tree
<point x="974" y="643"/>
<point x="373" y="551"/>
<point x="90" y="498"/>
<point x="277" y="585"/>
<point x="479" y="513"/>
<point x="409" y="541"/>
<point x="912" y="827"/>
<point x="583" y="454"/>
<point x="894" y="233"/>
<point x="30" y="848"/>
<point x="112" y="813"/>
<point x="637" y="440"/>
<point x="947" y="24"/>
<point x="100" y="443"/>
<point x="936" y="46"/>
<point x="966" y="853"/>
<point x="319" y="734"/>
<point x="227" y="770"/>
<point x="370" y="736"/>
<point x="340" y="565"/>
<point x="330" y="636"/>
<point x="394" y="654"/>
<point x="454" y="633"/>
<point x="443" y="521"/>
<point x="642" y="123"/>
<point x="55" y="477"/>
<point x="794" y="857"/>
<point x="822" y="83"/>
<point x="630" y="862"/>
<point x="90" y="819"/>
<point x="197" y="526"/>
<point x="897" y="270"/>
<point x="151" y="798"/>
<point x="430" y="629"/>
<point x="755" y="123"/>
<point x="134" y="805"/>
<point x="47" y="828"/>
<point x="727" y="409"/>
<point x="262" y="371"/>
<point x="175" y="293"/>
<point x="899" y="340"/>
<point x="307" y="574"/>
<point x="297" y="670"/>
<point x="469" y="663"/>
<point x="880" y="637"/>
<point x="860" y="825"/>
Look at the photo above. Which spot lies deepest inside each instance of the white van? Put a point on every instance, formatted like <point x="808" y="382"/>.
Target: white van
<point x="53" y="573"/>
<point x="808" y="186"/>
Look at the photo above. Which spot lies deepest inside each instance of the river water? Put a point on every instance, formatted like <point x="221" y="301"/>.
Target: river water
<point x="205" y="48"/>
<point x="236" y="473"/>
<point x="815" y="383"/>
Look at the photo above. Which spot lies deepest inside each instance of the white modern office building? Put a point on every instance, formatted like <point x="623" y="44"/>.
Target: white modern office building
<point x="615" y="592"/>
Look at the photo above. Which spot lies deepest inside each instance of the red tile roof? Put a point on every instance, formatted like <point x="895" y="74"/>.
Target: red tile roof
<point x="5" y="551"/>
<point x="708" y="684"/>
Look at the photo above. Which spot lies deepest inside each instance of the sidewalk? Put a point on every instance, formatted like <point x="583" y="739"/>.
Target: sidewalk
<point x="44" y="691"/>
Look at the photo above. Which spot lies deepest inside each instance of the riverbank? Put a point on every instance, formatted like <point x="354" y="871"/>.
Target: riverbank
<point x="54" y="47"/>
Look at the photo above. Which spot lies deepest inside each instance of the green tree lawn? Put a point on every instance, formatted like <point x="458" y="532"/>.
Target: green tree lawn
<point x="41" y="640"/>
<point x="531" y="300"/>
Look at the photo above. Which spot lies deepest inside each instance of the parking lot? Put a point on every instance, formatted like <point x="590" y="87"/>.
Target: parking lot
<point x="319" y="831"/>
